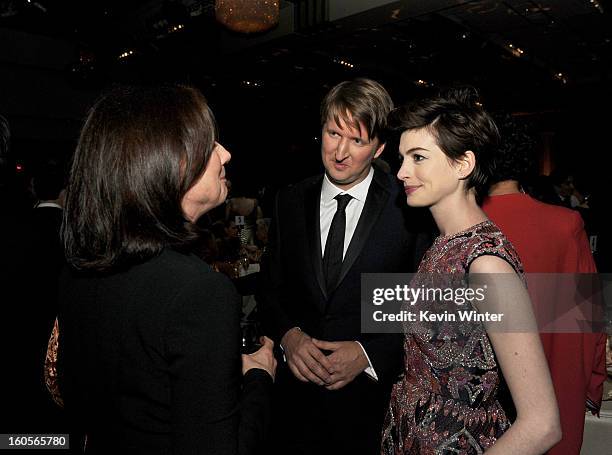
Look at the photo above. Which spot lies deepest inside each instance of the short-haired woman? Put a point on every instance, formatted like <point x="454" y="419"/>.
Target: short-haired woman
<point x="449" y="398"/>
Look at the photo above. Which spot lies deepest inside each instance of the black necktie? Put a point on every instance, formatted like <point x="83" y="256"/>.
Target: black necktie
<point x="334" y="246"/>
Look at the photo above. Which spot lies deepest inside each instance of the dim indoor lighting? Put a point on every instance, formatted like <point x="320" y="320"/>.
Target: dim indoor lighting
<point x="561" y="77"/>
<point x="247" y="16"/>
<point x="125" y="54"/>
<point x="516" y="51"/>
<point x="344" y="63"/>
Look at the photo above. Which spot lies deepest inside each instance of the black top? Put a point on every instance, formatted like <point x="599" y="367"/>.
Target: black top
<point x="292" y="290"/>
<point x="293" y="293"/>
<point x="149" y="361"/>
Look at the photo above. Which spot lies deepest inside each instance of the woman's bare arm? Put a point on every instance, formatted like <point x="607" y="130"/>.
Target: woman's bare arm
<point x="521" y="359"/>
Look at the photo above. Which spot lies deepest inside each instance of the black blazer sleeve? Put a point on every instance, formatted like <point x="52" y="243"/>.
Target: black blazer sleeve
<point x="386" y="351"/>
<point x="210" y="414"/>
<point x="269" y="287"/>
<point x="256" y="411"/>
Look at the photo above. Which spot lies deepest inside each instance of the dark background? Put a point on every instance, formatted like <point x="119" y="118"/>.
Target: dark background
<point x="57" y="56"/>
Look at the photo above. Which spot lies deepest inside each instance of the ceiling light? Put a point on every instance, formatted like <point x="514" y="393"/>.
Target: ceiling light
<point x="561" y="77"/>
<point x="247" y="16"/>
<point x="125" y="54"/>
<point x="516" y="51"/>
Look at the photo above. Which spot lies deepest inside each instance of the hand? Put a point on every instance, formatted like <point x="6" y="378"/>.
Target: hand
<point x="305" y="360"/>
<point x="347" y="359"/>
<point x="263" y="358"/>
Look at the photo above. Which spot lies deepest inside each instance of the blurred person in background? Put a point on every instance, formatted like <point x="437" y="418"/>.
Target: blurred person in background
<point x="549" y="239"/>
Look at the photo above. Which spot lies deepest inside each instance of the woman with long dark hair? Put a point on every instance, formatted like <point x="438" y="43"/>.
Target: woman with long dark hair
<point x="149" y="336"/>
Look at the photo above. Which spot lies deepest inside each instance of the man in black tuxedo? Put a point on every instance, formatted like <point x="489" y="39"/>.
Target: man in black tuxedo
<point x="326" y="232"/>
<point x="46" y="221"/>
<point x="47" y="252"/>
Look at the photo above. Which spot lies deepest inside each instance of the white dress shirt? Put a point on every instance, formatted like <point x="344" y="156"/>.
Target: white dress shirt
<point x="327" y="209"/>
<point x="41" y="205"/>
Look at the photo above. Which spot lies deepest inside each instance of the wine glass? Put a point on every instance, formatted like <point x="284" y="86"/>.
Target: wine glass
<point x="250" y="336"/>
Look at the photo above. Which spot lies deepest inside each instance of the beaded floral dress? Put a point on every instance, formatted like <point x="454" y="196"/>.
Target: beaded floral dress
<point x="447" y="399"/>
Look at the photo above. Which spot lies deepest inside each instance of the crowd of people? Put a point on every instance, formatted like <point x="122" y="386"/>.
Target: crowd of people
<point x="145" y="349"/>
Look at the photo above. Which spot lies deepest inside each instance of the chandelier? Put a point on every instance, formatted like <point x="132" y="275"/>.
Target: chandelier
<point x="247" y="16"/>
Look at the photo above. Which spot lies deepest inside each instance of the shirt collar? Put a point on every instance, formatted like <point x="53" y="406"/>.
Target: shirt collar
<point x="41" y="205"/>
<point x="360" y="191"/>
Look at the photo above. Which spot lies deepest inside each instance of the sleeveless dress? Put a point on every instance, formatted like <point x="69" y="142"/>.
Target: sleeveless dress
<point x="447" y="400"/>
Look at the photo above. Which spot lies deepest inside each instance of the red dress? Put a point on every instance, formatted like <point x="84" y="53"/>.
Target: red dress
<point x="448" y="399"/>
<point x="551" y="239"/>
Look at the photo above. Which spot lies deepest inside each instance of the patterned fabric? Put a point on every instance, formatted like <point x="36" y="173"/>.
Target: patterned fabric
<point x="51" y="366"/>
<point x="446" y="401"/>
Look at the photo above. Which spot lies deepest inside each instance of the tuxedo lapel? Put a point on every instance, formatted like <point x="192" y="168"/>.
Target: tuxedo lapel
<point x="312" y="206"/>
<point x="378" y="194"/>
